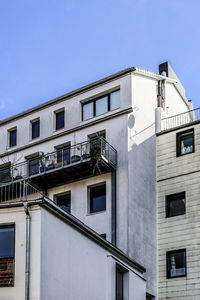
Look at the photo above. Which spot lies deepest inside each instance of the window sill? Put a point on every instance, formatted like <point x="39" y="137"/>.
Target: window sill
<point x="96" y="213"/>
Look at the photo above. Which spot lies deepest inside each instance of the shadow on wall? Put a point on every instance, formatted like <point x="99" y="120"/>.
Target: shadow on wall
<point x="142" y="202"/>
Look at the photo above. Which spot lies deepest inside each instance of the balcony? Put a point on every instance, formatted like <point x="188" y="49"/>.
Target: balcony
<point x="180" y="120"/>
<point x="65" y="165"/>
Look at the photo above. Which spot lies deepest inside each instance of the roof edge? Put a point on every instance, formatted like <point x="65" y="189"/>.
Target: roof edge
<point x="76" y="223"/>
<point x="68" y="95"/>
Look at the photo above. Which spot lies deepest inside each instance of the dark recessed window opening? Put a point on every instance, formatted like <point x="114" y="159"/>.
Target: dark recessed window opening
<point x="185" y="142"/>
<point x="119" y="284"/>
<point x="5" y="174"/>
<point x="35" y="129"/>
<point x="64" y="201"/>
<point x="13" y="138"/>
<point x="100" y="105"/>
<point x="33" y="166"/>
<point x="98" y="198"/>
<point x="63" y="155"/>
<point x="175" y="205"/>
<point x="7" y="255"/>
<point x="149" y="297"/>
<point x="176" y="263"/>
<point x="60" y="120"/>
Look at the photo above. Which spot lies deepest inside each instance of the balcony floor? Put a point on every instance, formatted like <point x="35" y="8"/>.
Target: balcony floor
<point x="69" y="173"/>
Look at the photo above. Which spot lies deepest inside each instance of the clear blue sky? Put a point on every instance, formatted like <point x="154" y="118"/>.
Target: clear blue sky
<point x="50" y="47"/>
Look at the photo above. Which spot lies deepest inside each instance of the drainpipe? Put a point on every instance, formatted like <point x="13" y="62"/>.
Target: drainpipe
<point x="114" y="209"/>
<point x="27" y="268"/>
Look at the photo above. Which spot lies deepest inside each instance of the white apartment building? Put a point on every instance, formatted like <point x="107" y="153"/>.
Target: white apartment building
<point x="93" y="152"/>
<point x="178" y="165"/>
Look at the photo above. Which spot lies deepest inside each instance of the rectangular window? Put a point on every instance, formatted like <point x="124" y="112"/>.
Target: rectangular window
<point x="13" y="138"/>
<point x="97" y="195"/>
<point x="185" y="142"/>
<point x="175" y="205"/>
<point x="63" y="156"/>
<point x="176" y="263"/>
<point x="60" y="119"/>
<point x="5" y="173"/>
<point x="35" y="129"/>
<point x="119" y="284"/>
<point x="7" y="255"/>
<point x="100" y="105"/>
<point x="33" y="166"/>
<point x="63" y="200"/>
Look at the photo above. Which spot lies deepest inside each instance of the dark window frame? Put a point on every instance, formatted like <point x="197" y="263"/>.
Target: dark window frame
<point x="90" y="212"/>
<point x="33" y="123"/>
<point x="37" y="165"/>
<point x="10" y="257"/>
<point x="94" y="104"/>
<point x="56" y="196"/>
<point x="62" y="111"/>
<point x="169" y="198"/>
<point x="119" y="270"/>
<point x="168" y="264"/>
<point x="178" y="142"/>
<point x="11" y="131"/>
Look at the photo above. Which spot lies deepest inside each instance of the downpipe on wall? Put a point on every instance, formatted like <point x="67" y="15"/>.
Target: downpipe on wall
<point x="114" y="209"/>
<point x="27" y="267"/>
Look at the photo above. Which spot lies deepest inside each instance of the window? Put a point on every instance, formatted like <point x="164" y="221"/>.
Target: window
<point x="5" y="173"/>
<point x="7" y="255"/>
<point x="119" y="284"/>
<point x="35" y="129"/>
<point x="176" y="263"/>
<point x="149" y="297"/>
<point x="60" y="119"/>
<point x="97" y="197"/>
<point x="175" y="205"/>
<point x="185" y="142"/>
<point x="63" y="156"/>
<point x="13" y="138"/>
<point x="33" y="166"/>
<point x="63" y="200"/>
<point x="100" y="105"/>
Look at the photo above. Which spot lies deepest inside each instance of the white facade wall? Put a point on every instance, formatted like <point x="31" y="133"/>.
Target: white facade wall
<point x="179" y="174"/>
<point x="133" y="136"/>
<point x="73" y="267"/>
<point x="17" y="217"/>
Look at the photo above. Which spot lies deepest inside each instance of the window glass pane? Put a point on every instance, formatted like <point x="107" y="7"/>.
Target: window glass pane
<point x="60" y="120"/>
<point x="98" y="198"/>
<point x="101" y="106"/>
<point x="63" y="155"/>
<point x="114" y="100"/>
<point x="13" y="138"/>
<point x="186" y="144"/>
<point x="35" y="129"/>
<point x="175" y="205"/>
<point x="7" y="240"/>
<point x="119" y="285"/>
<point x="33" y="166"/>
<point x="5" y="174"/>
<point x="64" y="202"/>
<point x="177" y="262"/>
<point x="88" y="111"/>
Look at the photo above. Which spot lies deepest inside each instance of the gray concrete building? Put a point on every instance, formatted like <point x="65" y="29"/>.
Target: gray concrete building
<point x="93" y="153"/>
<point x="178" y="165"/>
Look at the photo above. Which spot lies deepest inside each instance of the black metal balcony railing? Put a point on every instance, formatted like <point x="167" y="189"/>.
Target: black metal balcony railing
<point x="99" y="152"/>
<point x="180" y="119"/>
